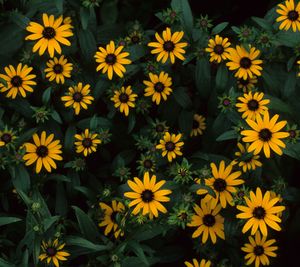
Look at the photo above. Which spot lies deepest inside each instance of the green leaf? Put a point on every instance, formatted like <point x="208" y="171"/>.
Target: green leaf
<point x="136" y="247"/>
<point x="87" y="43"/>
<point x="86" y="225"/>
<point x="185" y="121"/>
<point x="19" y="19"/>
<point x="109" y="12"/>
<point x="59" y="5"/>
<point x="8" y="220"/>
<point x="209" y="157"/>
<point x="48" y="222"/>
<point x="222" y="77"/>
<point x="182" y="98"/>
<point x="26" y="136"/>
<point x="186" y="16"/>
<point x="278" y="105"/>
<point x="83" y="243"/>
<point x="228" y="135"/>
<point x="46" y="95"/>
<point x="262" y="23"/>
<point x="290" y="84"/>
<point x="84" y="17"/>
<point x="136" y="52"/>
<point x="20" y="178"/>
<point x="55" y="116"/>
<point x="219" y="28"/>
<point x="131" y="123"/>
<point x="202" y="77"/>
<point x="69" y="137"/>
<point x="288" y="38"/>
<point x="4" y="263"/>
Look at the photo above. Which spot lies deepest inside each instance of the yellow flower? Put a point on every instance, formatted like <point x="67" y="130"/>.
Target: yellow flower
<point x="218" y="48"/>
<point x="7" y="137"/>
<point x="246" y="160"/>
<point x="265" y="134"/>
<point x="78" y="97"/>
<point x="274" y="195"/>
<point x="124" y="99"/>
<point x="248" y="84"/>
<point x="246" y="63"/>
<point x="49" y="35"/>
<point x="44" y="151"/>
<point x="199" y="125"/>
<point x="86" y="142"/>
<point x="223" y="183"/>
<point x="202" y="263"/>
<point x="58" y="69"/>
<point x="168" y="46"/>
<point x="112" y="60"/>
<point x="147" y="195"/>
<point x="298" y="62"/>
<point x="252" y="104"/>
<point x="208" y="221"/>
<point x="260" y="212"/>
<point x="290" y="16"/>
<point x="170" y="145"/>
<point x="259" y="249"/>
<point x="18" y="80"/>
<point x="53" y="251"/>
<point x="158" y="87"/>
<point x="109" y="220"/>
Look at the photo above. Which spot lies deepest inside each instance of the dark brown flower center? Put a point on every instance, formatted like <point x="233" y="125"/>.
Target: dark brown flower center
<point x="159" y="128"/>
<point x="209" y="220"/>
<point x="135" y="39"/>
<point x="147" y="195"/>
<point x="244" y="82"/>
<point x="148" y="163"/>
<point x="219" y="49"/>
<point x="51" y="252"/>
<point x="245" y="62"/>
<point x="159" y="87"/>
<point x="259" y="213"/>
<point x="123" y="98"/>
<point x="292" y="133"/>
<point x="77" y="97"/>
<point x="6" y="138"/>
<point x="113" y="216"/>
<point x="293" y="15"/>
<point x="226" y="102"/>
<point x="57" y="68"/>
<point x="195" y="124"/>
<point x="42" y="151"/>
<point x="87" y="142"/>
<point x="170" y="146"/>
<point x="219" y="185"/>
<point x="253" y="104"/>
<point x="16" y="81"/>
<point x="111" y="59"/>
<point x="265" y="134"/>
<point x="49" y="33"/>
<point x="183" y="215"/>
<point x="258" y="250"/>
<point x="168" y="46"/>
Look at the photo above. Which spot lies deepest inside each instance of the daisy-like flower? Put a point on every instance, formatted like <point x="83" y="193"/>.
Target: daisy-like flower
<point x="259" y="249"/>
<point x="218" y="48"/>
<point x="7" y="137"/>
<point x="49" y="35"/>
<point x="248" y="84"/>
<point x="78" y="97"/>
<point x="18" y="81"/>
<point x="43" y="151"/>
<point x="147" y="195"/>
<point x="260" y="212"/>
<point x="195" y="263"/>
<point x="109" y="218"/>
<point x="112" y="60"/>
<point x="208" y="221"/>
<point x="289" y="16"/>
<point x="247" y="161"/>
<point x="223" y="183"/>
<point x="58" y="69"/>
<point x="159" y="86"/>
<point x="168" y="45"/>
<point x="170" y="145"/>
<point x="265" y="134"/>
<point x="86" y="142"/>
<point x="198" y="126"/>
<point x="53" y="251"/>
<point x="124" y="99"/>
<point x="252" y="104"/>
<point x="243" y="62"/>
